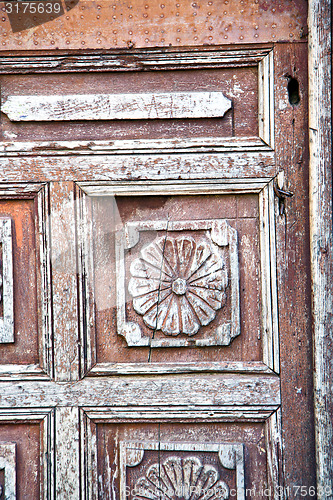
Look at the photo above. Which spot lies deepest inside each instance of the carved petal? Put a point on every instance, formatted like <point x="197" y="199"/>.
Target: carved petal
<point x="153" y="255"/>
<point x="212" y="297"/>
<point x="158" y="478"/>
<point x="190" y="323"/>
<point x="156" y="316"/>
<point x="141" y="286"/>
<point x="174" y="471"/>
<point x="171" y="324"/>
<point x="203" y="310"/>
<point x="141" y="269"/>
<point x="210" y="267"/>
<point x="145" y="302"/>
<point x="185" y="252"/>
<point x="191" y="470"/>
<point x="200" y="255"/>
<point x="219" y="491"/>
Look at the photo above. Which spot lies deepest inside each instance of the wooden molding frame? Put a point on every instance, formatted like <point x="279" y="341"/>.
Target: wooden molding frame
<point x="270" y="335"/>
<point x="45" y="418"/>
<point x="39" y="193"/>
<point x="321" y="247"/>
<point x="90" y="417"/>
<point x="150" y="60"/>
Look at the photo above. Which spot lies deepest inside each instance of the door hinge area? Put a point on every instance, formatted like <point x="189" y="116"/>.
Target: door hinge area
<point x="282" y="194"/>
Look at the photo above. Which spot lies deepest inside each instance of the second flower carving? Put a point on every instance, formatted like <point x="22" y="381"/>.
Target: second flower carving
<point x="178" y="284"/>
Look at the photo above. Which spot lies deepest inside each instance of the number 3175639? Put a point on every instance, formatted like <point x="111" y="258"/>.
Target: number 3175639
<point x="33" y="7"/>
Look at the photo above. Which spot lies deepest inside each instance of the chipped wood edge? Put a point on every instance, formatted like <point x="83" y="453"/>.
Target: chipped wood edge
<point x="47" y="455"/>
<point x="273" y="435"/>
<point x="67" y="446"/>
<point x="268" y="283"/>
<point x="10" y="149"/>
<point x="44" y="279"/>
<point x="320" y="129"/>
<point x="137" y="60"/>
<point x="139" y="166"/>
<point x="104" y="369"/>
<point x="86" y="291"/>
<point x="266" y="99"/>
<point x="7" y="281"/>
<point x="89" y="476"/>
<point x="8" y="465"/>
<point x="22" y="372"/>
<point x="182" y="414"/>
<point x="134" y="187"/>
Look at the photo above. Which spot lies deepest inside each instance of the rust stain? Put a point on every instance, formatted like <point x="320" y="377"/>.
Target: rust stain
<point x="145" y="23"/>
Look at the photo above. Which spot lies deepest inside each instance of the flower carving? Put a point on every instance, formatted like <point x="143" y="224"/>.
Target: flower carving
<point x="178" y="284"/>
<point x="180" y="479"/>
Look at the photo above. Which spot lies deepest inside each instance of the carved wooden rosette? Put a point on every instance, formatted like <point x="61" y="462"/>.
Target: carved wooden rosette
<point x="179" y="282"/>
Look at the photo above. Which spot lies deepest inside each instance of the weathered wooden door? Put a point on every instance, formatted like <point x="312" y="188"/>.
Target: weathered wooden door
<point x="155" y="320"/>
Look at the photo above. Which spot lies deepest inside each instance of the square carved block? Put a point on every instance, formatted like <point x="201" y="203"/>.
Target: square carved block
<point x="177" y="283"/>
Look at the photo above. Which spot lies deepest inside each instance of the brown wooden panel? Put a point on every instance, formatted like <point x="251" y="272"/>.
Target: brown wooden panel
<point x="294" y="270"/>
<point x="241" y="211"/>
<point x="25" y="347"/>
<point x="239" y="85"/>
<point x="26" y="436"/>
<point x="109" y="466"/>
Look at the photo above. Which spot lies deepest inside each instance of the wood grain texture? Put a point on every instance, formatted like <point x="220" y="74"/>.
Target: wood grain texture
<point x="138" y="106"/>
<point x="219" y="390"/>
<point x="102" y="167"/>
<point x="64" y="284"/>
<point x="6" y="282"/>
<point x="88" y="96"/>
<point x="136" y="60"/>
<point x="115" y="147"/>
<point x="293" y="270"/>
<point x="67" y="467"/>
<point x="106" y="26"/>
<point x="320" y="130"/>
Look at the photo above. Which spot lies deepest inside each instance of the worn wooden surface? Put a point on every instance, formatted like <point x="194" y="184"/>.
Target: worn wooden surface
<point x="320" y="129"/>
<point x="172" y="390"/>
<point x="63" y="259"/>
<point x="213" y="399"/>
<point x="111" y="25"/>
<point x="140" y="106"/>
<point x="293" y="270"/>
<point x="22" y="213"/>
<point x="50" y="116"/>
